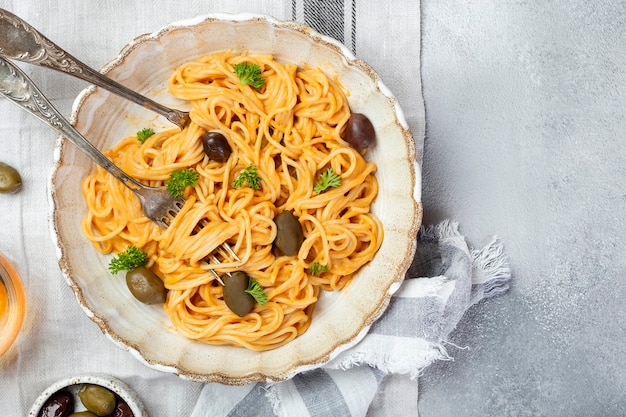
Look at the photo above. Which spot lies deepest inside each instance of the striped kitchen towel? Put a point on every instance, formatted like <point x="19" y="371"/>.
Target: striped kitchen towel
<point x="444" y="280"/>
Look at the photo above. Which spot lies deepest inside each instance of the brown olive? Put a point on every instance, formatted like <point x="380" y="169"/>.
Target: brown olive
<point x="122" y="409"/>
<point x="216" y="146"/>
<point x="146" y="286"/>
<point x="60" y="404"/>
<point x="10" y="179"/>
<point x="359" y="132"/>
<point x="235" y="295"/>
<point x="83" y="414"/>
<point x="97" y="399"/>
<point x="289" y="235"/>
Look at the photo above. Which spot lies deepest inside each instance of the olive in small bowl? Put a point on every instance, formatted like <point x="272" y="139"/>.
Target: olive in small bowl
<point x="122" y="409"/>
<point x="60" y="404"/>
<point x="97" y="399"/>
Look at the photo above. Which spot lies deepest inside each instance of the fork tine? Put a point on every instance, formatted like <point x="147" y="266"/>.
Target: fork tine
<point x="215" y="274"/>
<point x="226" y="247"/>
<point x="160" y="207"/>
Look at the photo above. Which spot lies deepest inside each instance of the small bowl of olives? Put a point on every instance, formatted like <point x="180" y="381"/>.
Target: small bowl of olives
<point x="92" y="395"/>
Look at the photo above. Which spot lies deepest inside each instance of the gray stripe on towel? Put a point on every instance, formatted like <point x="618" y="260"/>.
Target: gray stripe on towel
<point x="326" y="17"/>
<point x="336" y="19"/>
<point x="320" y="394"/>
<point x="253" y="404"/>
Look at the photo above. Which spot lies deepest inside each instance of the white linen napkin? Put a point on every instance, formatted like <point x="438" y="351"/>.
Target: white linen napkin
<point x="444" y="280"/>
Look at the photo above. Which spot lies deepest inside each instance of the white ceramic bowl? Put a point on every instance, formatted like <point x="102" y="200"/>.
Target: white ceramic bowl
<point x="145" y="66"/>
<point x="72" y="385"/>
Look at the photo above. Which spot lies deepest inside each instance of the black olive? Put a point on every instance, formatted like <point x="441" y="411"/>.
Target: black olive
<point x="359" y="132"/>
<point x="122" y="409"/>
<point x="216" y="147"/>
<point x="235" y="295"/>
<point x="289" y="235"/>
<point x="146" y="286"/>
<point x="60" y="404"/>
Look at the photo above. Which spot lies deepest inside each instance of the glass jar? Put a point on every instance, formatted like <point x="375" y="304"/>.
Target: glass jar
<point x="12" y="304"/>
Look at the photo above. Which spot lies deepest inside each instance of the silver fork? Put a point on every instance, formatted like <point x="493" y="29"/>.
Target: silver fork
<point x="157" y="203"/>
<point x="22" y="42"/>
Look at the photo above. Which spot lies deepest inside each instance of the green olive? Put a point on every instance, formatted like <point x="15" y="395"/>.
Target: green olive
<point x="289" y="235"/>
<point x="235" y="295"/>
<point x="97" y="399"/>
<point x="146" y="286"/>
<point x="10" y="179"/>
<point x="83" y="414"/>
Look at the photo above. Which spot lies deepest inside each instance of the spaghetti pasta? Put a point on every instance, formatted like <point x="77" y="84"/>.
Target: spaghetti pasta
<point x="290" y="130"/>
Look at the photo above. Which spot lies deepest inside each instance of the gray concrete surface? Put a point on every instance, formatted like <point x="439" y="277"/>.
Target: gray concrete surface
<point x="526" y="139"/>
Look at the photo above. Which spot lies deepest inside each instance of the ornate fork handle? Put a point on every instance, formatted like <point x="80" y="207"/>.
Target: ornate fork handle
<point x="22" y="42"/>
<point x="18" y="88"/>
<point x="157" y="204"/>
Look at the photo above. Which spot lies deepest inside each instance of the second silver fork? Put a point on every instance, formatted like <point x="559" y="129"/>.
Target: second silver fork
<point x="157" y="203"/>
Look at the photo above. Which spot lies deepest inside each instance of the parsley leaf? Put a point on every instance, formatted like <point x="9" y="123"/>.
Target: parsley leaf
<point x="144" y="134"/>
<point x="328" y="178"/>
<point x="318" y="268"/>
<point x="131" y="258"/>
<point x="181" y="179"/>
<point x="256" y="291"/>
<point x="249" y="73"/>
<point x="249" y="176"/>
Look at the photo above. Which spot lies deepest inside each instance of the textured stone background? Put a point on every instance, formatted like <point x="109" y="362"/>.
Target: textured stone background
<point x="525" y="139"/>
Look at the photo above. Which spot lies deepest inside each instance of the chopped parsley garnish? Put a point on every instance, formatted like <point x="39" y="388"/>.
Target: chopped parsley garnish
<point x="131" y="258"/>
<point x="327" y="179"/>
<point x="248" y="176"/>
<point x="318" y="268"/>
<point x="249" y="73"/>
<point x="144" y="134"/>
<point x="256" y="291"/>
<point x="181" y="179"/>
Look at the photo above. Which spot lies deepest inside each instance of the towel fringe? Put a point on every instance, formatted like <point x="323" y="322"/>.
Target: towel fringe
<point x="271" y="393"/>
<point x="404" y="363"/>
<point x="491" y="273"/>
